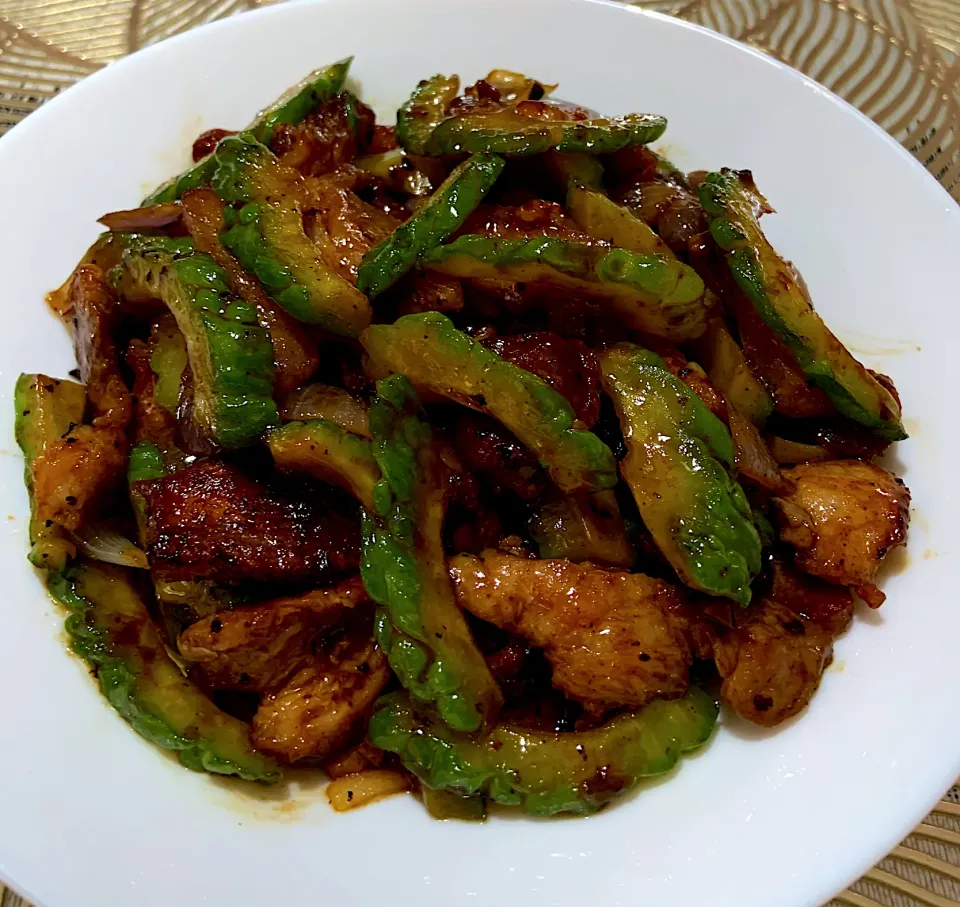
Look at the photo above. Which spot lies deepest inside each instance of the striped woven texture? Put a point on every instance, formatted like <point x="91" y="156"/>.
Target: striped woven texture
<point x="897" y="60"/>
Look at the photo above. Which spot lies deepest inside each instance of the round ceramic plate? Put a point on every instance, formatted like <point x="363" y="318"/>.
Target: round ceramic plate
<point x="92" y="816"/>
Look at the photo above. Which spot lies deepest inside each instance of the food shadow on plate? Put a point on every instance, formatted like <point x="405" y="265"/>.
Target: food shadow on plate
<point x="732" y="723"/>
<point x="300" y="786"/>
<point x="890" y="460"/>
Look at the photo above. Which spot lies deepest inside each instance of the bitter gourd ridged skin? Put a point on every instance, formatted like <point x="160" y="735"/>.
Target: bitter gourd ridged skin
<point x="442" y="215"/>
<point x="110" y="628"/>
<point x="230" y="355"/>
<point x="678" y="454"/>
<point x="432" y="353"/>
<point x="648" y="292"/>
<point x="302" y="99"/>
<point x="733" y="204"/>
<point x="46" y="409"/>
<point x="327" y="452"/>
<point x="267" y="237"/>
<point x="424" y="111"/>
<point x="545" y="773"/>
<point x="508" y="132"/>
<point x="291" y="108"/>
<point x="419" y="626"/>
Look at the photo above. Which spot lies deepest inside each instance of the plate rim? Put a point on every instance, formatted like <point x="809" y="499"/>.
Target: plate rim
<point x="22" y="133"/>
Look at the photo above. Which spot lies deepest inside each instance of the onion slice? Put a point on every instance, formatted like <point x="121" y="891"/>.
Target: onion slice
<point x="101" y="543"/>
<point x="150" y="217"/>
<point x="751" y="455"/>
<point x="320" y="401"/>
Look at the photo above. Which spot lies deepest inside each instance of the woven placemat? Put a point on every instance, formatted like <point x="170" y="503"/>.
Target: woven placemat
<point x="897" y="60"/>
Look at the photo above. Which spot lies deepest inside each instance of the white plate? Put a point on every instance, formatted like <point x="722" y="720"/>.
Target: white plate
<point x="91" y="816"/>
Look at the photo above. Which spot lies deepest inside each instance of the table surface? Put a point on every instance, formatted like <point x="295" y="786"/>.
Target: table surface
<point x="897" y="60"/>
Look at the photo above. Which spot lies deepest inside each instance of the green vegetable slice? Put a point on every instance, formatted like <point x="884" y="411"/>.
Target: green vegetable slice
<point x="110" y="628"/>
<point x="291" y="108"/>
<point x="424" y="110"/>
<point x="677" y="451"/>
<point x="268" y="239"/>
<point x="649" y="292"/>
<point x="433" y="354"/>
<point x="168" y="361"/>
<point x="325" y="451"/>
<point x="301" y="99"/>
<point x="544" y="773"/>
<point x="448" y="804"/>
<point x="230" y="355"/>
<point x="604" y="219"/>
<point x="730" y="374"/>
<point x="583" y="527"/>
<point x="734" y="205"/>
<point x="443" y="214"/>
<point x="145" y="462"/>
<point x="419" y="627"/>
<point x="46" y="409"/>
<point x="575" y="169"/>
<point x="509" y="132"/>
<point x="196" y="177"/>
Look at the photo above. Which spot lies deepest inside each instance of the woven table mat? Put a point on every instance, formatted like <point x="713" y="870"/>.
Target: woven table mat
<point x="897" y="60"/>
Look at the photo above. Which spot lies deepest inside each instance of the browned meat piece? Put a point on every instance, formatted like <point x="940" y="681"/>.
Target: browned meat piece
<point x="843" y="519"/>
<point x="343" y="225"/>
<point x="257" y="647"/>
<point x="506" y="663"/>
<point x="210" y="521"/>
<point x="845" y="440"/>
<point x="659" y="196"/>
<point x="471" y="524"/>
<point x="486" y="97"/>
<point x="431" y="292"/>
<point x="384" y="138"/>
<point x="531" y="219"/>
<point x="95" y="314"/>
<point x="637" y="164"/>
<point x="606" y="634"/>
<point x="325" y="703"/>
<point x="826" y="605"/>
<point x="569" y="366"/>
<point x="772" y="654"/>
<point x="325" y="139"/>
<point x="488" y="449"/>
<point x="78" y="476"/>
<point x="701" y="620"/>
<point x="207" y="141"/>
<point x="477" y="98"/>
<point x="771" y="663"/>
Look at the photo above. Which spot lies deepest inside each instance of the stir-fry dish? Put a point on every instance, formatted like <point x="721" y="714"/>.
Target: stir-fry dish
<point x="483" y="455"/>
